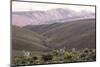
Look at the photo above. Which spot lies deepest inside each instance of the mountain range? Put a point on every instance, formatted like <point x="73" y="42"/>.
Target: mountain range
<point x="58" y="15"/>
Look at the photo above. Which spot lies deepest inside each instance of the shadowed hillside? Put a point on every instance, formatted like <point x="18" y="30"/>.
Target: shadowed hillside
<point x="27" y="40"/>
<point x="42" y="28"/>
<point x="74" y="34"/>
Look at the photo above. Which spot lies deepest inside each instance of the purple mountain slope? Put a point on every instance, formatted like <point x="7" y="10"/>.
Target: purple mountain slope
<point x="24" y="18"/>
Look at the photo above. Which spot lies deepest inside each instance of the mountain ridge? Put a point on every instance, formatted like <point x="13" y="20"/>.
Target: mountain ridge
<point x="45" y="17"/>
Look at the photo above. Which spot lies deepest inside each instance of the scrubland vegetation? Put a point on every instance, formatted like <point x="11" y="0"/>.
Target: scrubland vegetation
<point x="57" y="56"/>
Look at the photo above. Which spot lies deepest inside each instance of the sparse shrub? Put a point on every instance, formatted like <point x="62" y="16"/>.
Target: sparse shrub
<point x="47" y="57"/>
<point x="35" y="57"/>
<point x="58" y="56"/>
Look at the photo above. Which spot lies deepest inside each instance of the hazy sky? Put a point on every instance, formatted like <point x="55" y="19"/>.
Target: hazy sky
<point x="25" y="6"/>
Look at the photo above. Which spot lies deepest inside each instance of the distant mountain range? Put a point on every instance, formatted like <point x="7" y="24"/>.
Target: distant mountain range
<point x="58" y="15"/>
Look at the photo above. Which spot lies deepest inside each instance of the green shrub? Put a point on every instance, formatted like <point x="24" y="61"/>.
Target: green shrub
<point x="58" y="56"/>
<point x="47" y="57"/>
